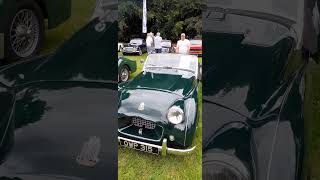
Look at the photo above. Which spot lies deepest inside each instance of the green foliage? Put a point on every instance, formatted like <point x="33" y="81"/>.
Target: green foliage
<point x="169" y="17"/>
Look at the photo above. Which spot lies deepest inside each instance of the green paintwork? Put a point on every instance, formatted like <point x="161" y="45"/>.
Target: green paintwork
<point x="159" y="92"/>
<point x="253" y="95"/>
<point x="61" y="100"/>
<point x="122" y="61"/>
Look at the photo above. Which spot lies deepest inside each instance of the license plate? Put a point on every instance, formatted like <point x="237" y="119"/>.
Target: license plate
<point x="139" y="147"/>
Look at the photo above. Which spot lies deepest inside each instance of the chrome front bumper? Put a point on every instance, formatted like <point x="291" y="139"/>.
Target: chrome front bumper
<point x="1" y="45"/>
<point x="164" y="150"/>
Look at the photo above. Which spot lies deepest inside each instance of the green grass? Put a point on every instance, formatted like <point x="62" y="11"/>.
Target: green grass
<point x="80" y="15"/>
<point x="138" y="165"/>
<point x="312" y="124"/>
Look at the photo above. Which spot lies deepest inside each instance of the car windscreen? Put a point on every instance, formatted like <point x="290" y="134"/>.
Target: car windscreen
<point x="196" y="42"/>
<point x="163" y="62"/>
<point x="166" y="43"/>
<point x="136" y="41"/>
<point x="259" y="27"/>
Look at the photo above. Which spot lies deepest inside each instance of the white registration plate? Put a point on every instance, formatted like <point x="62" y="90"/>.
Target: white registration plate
<point x="139" y="147"/>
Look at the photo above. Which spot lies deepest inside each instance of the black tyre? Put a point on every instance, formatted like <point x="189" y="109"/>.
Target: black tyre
<point x="24" y="30"/>
<point x="124" y="74"/>
<point x="220" y="166"/>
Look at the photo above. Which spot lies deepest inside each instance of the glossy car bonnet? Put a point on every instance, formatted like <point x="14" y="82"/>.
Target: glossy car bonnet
<point x="264" y="22"/>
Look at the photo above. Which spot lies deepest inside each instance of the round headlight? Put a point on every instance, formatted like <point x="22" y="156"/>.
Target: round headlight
<point x="175" y="115"/>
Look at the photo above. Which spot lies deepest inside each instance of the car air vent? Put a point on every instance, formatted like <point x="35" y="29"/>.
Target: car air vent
<point x="139" y="122"/>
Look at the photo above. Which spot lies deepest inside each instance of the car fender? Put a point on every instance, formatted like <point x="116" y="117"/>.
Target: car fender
<point x="191" y="115"/>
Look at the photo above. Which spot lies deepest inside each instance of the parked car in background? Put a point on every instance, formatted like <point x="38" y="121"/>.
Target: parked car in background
<point x="135" y="46"/>
<point x="48" y="130"/>
<point x="120" y="46"/>
<point x="166" y="46"/>
<point x="196" y="47"/>
<point x="22" y="25"/>
<point x="125" y="68"/>
<point x="158" y="109"/>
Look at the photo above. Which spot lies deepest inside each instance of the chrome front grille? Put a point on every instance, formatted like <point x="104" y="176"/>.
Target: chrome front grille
<point x="139" y="122"/>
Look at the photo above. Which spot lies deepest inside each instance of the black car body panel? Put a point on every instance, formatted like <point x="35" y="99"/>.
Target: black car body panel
<point x="56" y="110"/>
<point x="253" y="95"/>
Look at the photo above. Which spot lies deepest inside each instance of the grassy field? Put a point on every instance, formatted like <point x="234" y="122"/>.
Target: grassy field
<point x="312" y="124"/>
<point x="137" y="165"/>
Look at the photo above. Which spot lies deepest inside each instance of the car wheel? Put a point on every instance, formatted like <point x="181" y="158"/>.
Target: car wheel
<point x="124" y="74"/>
<point x="24" y="30"/>
<point x="223" y="166"/>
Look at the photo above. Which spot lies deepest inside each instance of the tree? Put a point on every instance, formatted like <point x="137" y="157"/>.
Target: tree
<point x="169" y="17"/>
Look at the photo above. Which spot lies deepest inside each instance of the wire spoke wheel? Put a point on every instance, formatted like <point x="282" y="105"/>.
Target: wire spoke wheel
<point x="124" y="75"/>
<point x="24" y="33"/>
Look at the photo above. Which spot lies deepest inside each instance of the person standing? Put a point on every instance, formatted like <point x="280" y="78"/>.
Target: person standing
<point x="149" y="43"/>
<point x="183" y="45"/>
<point x="157" y="43"/>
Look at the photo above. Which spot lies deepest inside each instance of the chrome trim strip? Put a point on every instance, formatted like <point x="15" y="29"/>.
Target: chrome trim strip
<point x="185" y="133"/>
<point x="1" y="45"/>
<point x="163" y="149"/>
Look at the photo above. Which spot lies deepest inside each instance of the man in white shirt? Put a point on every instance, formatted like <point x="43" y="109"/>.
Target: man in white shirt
<point x="157" y="43"/>
<point x="183" y="45"/>
<point x="149" y="43"/>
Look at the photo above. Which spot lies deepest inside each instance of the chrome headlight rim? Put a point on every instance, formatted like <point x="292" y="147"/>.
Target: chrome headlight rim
<point x="173" y="113"/>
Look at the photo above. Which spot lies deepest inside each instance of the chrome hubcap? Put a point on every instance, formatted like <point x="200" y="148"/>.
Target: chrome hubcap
<point x="124" y="75"/>
<point x="24" y="33"/>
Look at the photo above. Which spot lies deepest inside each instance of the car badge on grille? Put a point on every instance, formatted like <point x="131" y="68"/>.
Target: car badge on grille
<point x="141" y="106"/>
<point x="140" y="131"/>
<point x="89" y="152"/>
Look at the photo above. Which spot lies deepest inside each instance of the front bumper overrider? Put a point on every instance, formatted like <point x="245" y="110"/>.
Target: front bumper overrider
<point x="164" y="149"/>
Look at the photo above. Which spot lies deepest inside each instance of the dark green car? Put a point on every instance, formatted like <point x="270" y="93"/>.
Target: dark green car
<point x="125" y="67"/>
<point x="22" y="24"/>
<point x="158" y="109"/>
<point x="254" y="91"/>
<point x="56" y="110"/>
